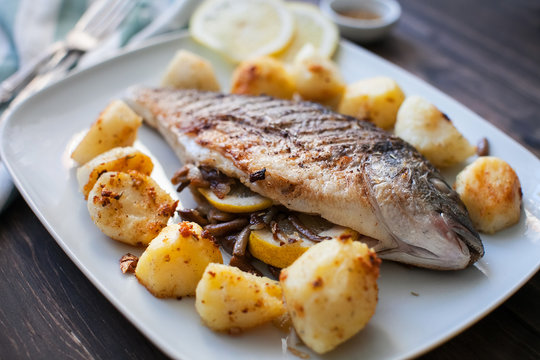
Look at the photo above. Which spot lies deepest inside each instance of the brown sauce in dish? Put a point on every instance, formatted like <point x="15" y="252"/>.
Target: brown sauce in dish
<point x="360" y="14"/>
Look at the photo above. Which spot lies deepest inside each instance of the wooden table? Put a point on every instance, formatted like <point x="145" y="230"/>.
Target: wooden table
<point x="484" y="53"/>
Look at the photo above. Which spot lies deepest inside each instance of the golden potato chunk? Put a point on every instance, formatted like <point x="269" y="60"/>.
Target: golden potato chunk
<point x="174" y="262"/>
<point x="116" y="126"/>
<point x="117" y="159"/>
<point x="228" y="298"/>
<point x="491" y="191"/>
<point x="262" y="76"/>
<point x="331" y="292"/>
<point x="129" y="207"/>
<point x="375" y="99"/>
<point x="317" y="78"/>
<point x="189" y="71"/>
<point x="431" y="132"/>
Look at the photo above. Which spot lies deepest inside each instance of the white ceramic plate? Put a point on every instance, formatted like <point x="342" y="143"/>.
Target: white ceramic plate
<point x="418" y="309"/>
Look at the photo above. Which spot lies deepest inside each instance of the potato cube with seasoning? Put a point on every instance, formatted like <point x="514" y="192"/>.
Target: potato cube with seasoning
<point x="317" y="78"/>
<point x="331" y="292"/>
<point x="117" y="159"/>
<point x="431" y="132"/>
<point x="374" y="99"/>
<point x="262" y="76"/>
<point x="190" y="71"/>
<point x="491" y="191"/>
<point x="229" y="299"/>
<point x="174" y="262"/>
<point x="129" y="207"/>
<point x="116" y="126"/>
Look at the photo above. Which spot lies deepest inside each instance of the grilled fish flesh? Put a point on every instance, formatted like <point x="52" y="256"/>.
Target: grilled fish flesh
<point x="321" y="162"/>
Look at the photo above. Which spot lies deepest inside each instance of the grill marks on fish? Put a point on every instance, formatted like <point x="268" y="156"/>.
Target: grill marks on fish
<point x="320" y="142"/>
<point x="318" y="161"/>
<point x="272" y="120"/>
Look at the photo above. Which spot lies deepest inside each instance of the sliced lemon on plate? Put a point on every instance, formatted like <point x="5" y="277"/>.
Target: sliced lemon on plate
<point x="239" y="200"/>
<point x="311" y="27"/>
<point x="264" y="247"/>
<point x="268" y="248"/>
<point x="241" y="29"/>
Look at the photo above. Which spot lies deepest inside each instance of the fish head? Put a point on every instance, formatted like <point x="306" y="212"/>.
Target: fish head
<point x="427" y="223"/>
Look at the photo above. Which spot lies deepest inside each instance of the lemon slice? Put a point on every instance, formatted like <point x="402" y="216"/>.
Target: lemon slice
<point x="241" y="29"/>
<point x="265" y="247"/>
<point x="239" y="200"/>
<point x="311" y="26"/>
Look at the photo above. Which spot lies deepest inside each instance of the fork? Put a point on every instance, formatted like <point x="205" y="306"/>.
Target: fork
<point x="99" y="21"/>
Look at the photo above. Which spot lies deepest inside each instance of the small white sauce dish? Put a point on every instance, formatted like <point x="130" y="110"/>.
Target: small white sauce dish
<point x="363" y="20"/>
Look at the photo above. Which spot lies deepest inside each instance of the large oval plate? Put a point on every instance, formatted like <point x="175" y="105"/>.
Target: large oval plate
<point x="418" y="309"/>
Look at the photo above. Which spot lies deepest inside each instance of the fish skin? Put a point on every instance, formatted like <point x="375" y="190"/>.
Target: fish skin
<point x="318" y="161"/>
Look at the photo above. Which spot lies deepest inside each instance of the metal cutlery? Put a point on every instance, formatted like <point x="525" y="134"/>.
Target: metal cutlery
<point x="99" y="21"/>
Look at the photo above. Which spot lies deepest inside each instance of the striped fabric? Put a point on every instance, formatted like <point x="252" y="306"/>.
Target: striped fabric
<point x="27" y="27"/>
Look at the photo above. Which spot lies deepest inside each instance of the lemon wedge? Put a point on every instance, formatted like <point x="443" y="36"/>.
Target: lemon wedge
<point x="265" y="247"/>
<point x="311" y="26"/>
<point x="241" y="29"/>
<point x="239" y="200"/>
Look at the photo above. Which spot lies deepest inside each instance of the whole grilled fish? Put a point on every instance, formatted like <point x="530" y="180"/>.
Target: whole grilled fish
<point x="321" y="162"/>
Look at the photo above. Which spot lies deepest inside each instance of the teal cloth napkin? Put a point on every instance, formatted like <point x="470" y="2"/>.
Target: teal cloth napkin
<point x="27" y="27"/>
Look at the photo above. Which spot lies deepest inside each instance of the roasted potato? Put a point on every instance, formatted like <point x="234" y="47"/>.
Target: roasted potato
<point x="174" y="262"/>
<point x="375" y="99"/>
<point x="491" y="191"/>
<point x="317" y="78"/>
<point x="116" y="126"/>
<point x="189" y="71"/>
<point x="117" y="159"/>
<point x="262" y="76"/>
<point x="229" y="299"/>
<point x="129" y="207"/>
<point x="331" y="292"/>
<point x="431" y="132"/>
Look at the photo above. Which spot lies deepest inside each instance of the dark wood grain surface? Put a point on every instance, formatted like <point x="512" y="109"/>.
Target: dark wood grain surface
<point x="484" y="53"/>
